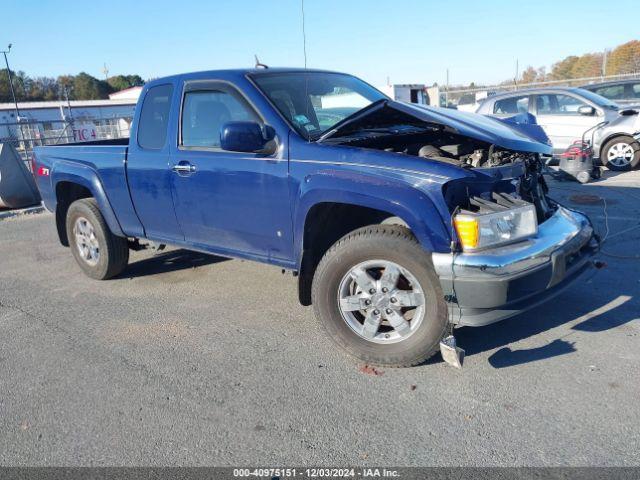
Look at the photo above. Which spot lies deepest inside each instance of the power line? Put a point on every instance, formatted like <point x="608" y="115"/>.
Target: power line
<point x="304" y="36"/>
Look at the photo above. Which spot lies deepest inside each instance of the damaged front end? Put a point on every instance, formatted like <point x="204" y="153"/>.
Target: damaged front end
<point x="512" y="246"/>
<point x="501" y="157"/>
<point x="521" y="180"/>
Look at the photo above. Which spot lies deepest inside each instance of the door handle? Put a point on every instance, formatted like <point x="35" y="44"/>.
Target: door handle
<point x="184" y="167"/>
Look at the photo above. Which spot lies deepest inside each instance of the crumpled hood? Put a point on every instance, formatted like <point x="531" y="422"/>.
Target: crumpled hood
<point x="479" y="127"/>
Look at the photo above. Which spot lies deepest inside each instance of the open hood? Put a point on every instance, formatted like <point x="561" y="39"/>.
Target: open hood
<point x="389" y="113"/>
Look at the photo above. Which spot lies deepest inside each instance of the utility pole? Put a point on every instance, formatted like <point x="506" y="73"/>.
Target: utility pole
<point x="446" y="93"/>
<point x="105" y="70"/>
<point x="603" y="72"/>
<point x="13" y="93"/>
<point x="516" y="77"/>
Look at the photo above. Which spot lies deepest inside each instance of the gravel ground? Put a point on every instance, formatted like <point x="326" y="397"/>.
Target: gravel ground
<point x="190" y="359"/>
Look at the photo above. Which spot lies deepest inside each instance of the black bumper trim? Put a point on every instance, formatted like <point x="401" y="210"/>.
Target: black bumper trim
<point x="481" y="301"/>
<point x="476" y="317"/>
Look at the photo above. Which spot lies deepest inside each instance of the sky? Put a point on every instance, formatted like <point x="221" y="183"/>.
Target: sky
<point x="406" y="41"/>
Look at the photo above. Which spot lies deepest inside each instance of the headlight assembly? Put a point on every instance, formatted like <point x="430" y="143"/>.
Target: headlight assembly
<point x="477" y="231"/>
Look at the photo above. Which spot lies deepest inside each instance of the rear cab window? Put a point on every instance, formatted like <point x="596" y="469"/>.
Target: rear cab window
<point x="154" y="117"/>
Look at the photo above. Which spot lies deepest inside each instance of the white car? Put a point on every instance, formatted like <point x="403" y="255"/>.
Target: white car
<point x="569" y="114"/>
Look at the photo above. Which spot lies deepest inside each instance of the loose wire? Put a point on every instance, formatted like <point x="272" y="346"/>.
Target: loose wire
<point x="607" y="235"/>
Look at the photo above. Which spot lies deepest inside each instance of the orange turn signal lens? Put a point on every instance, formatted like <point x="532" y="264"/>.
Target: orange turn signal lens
<point x="468" y="232"/>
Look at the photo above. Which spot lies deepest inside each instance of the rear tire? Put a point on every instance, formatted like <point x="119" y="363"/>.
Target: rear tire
<point x="100" y="253"/>
<point x="621" y="153"/>
<point x="378" y="250"/>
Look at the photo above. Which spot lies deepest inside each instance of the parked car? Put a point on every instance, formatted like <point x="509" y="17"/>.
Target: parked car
<point x="567" y="114"/>
<point x="467" y="103"/>
<point x="399" y="221"/>
<point x="623" y="92"/>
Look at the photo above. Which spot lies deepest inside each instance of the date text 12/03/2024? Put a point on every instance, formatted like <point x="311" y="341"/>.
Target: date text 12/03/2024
<point x="316" y="472"/>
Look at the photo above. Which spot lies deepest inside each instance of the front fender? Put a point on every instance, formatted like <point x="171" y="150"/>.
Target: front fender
<point x="622" y="125"/>
<point x="88" y="178"/>
<point x="398" y="197"/>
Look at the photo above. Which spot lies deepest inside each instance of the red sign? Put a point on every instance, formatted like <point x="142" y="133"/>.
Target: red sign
<point x="84" y="133"/>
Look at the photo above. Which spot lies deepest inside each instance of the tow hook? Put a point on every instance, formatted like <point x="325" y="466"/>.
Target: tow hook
<point x="451" y="354"/>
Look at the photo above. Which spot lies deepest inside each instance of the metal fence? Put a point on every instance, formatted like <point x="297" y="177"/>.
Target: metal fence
<point x="455" y="96"/>
<point x="26" y="135"/>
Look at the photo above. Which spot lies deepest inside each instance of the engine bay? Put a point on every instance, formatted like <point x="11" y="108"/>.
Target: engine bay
<point x="499" y="171"/>
<point x="435" y="144"/>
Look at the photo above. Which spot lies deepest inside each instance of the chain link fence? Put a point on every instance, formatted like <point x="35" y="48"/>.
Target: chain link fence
<point x="466" y="98"/>
<point x="28" y="134"/>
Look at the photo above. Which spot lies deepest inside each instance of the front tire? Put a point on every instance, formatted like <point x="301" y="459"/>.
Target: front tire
<point x="100" y="253"/>
<point x="621" y="153"/>
<point x="378" y="297"/>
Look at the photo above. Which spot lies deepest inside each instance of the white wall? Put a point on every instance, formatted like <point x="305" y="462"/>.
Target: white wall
<point x="128" y="94"/>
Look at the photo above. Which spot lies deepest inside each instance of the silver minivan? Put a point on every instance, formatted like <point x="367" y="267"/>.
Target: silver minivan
<point x="569" y="114"/>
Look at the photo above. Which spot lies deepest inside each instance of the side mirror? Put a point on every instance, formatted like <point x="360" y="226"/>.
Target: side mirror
<point x="586" y="110"/>
<point x="250" y="137"/>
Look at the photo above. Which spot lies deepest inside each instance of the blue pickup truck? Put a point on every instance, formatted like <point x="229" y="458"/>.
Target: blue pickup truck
<point x="400" y="221"/>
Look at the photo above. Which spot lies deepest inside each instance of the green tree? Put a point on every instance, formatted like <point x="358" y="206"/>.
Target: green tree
<point x="79" y="87"/>
<point x="43" y="88"/>
<point x="122" y="82"/>
<point x="86" y="87"/>
<point x="19" y="81"/>
<point x="65" y="83"/>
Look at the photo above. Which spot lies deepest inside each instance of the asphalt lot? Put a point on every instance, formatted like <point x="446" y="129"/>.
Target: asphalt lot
<point x="189" y="359"/>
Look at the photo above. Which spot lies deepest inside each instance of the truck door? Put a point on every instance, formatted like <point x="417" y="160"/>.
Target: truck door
<point x="558" y="116"/>
<point x="148" y="167"/>
<point x="228" y="201"/>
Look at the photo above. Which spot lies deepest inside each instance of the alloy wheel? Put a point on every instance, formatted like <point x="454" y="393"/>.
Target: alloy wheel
<point x="86" y="241"/>
<point x="381" y="301"/>
<point x="620" y="154"/>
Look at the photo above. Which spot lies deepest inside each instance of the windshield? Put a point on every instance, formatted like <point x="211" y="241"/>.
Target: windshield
<point x="598" y="99"/>
<point x="313" y="102"/>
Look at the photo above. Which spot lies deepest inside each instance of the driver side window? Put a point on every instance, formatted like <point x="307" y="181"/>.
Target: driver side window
<point x="558" y="104"/>
<point x="511" y="105"/>
<point x="204" y="112"/>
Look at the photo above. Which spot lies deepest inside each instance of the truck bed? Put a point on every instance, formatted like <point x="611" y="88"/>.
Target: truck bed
<point x="100" y="164"/>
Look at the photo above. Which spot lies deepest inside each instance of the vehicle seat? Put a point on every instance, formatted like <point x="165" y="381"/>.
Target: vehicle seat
<point x="209" y="118"/>
<point x="507" y="106"/>
<point x="284" y="104"/>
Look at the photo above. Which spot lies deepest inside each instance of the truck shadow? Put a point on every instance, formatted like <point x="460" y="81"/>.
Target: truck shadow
<point x="592" y="319"/>
<point x="171" y="261"/>
<point x="505" y="357"/>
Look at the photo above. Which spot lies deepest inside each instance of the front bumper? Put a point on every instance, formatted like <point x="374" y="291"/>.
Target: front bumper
<point x="486" y="287"/>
